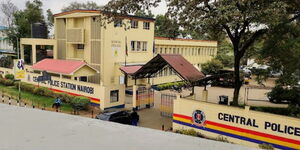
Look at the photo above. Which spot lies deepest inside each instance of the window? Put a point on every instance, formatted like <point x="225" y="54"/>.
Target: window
<point x="114" y="96"/>
<point x="134" y="24"/>
<point x="147" y="25"/>
<point x="83" y="79"/>
<point x="138" y="45"/>
<point x="80" y="46"/>
<point x="118" y="23"/>
<point x="133" y="45"/>
<point x="144" y="48"/>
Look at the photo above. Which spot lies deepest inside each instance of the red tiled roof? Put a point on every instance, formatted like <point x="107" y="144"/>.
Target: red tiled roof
<point x="177" y="62"/>
<point x="130" y="69"/>
<point x="183" y="67"/>
<point x="58" y="66"/>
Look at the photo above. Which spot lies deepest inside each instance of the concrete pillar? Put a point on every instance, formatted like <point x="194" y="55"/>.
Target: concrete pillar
<point x="205" y="95"/>
<point x="55" y="51"/>
<point x="22" y="51"/>
<point x="33" y="54"/>
<point x="134" y="96"/>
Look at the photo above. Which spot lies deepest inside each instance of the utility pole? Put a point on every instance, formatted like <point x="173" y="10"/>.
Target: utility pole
<point x="19" y="85"/>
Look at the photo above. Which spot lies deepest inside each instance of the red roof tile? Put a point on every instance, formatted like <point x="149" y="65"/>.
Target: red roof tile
<point x="58" y="66"/>
<point x="130" y="69"/>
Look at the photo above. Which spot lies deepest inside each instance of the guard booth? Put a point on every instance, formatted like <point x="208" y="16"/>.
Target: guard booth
<point x="143" y="94"/>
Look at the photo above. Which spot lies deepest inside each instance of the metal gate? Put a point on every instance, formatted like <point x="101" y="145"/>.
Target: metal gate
<point x="166" y="105"/>
<point x="144" y="98"/>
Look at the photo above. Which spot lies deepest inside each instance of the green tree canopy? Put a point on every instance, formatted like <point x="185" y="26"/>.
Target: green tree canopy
<point x="166" y="27"/>
<point x="282" y="51"/>
<point x="89" y="5"/>
<point x="212" y="67"/>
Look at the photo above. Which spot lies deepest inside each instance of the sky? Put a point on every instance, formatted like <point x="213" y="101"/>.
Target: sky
<point x="57" y="5"/>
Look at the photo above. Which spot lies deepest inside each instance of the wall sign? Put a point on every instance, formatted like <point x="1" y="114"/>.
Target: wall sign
<point x="66" y="85"/>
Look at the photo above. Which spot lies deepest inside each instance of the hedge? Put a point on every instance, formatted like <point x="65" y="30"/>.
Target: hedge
<point x="9" y="76"/>
<point x="80" y="103"/>
<point x="6" y="82"/>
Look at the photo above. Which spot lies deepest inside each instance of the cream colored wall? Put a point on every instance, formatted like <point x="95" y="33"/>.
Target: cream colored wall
<point x="114" y="49"/>
<point x="186" y="107"/>
<point x="84" y="71"/>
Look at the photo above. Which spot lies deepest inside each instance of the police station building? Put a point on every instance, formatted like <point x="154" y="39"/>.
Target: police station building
<point x="88" y="56"/>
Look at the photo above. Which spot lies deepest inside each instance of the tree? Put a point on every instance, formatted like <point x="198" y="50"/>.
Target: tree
<point x="225" y="54"/>
<point x="22" y="20"/>
<point x="8" y="9"/>
<point x="143" y="13"/>
<point x="212" y="67"/>
<point x="89" y="5"/>
<point x="166" y="27"/>
<point x="282" y="52"/>
<point x="50" y="18"/>
<point x="243" y="22"/>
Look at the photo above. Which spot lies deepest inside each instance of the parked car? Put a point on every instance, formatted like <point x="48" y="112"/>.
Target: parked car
<point x="123" y="117"/>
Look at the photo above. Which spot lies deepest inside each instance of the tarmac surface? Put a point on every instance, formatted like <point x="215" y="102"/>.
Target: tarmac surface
<point x="32" y="129"/>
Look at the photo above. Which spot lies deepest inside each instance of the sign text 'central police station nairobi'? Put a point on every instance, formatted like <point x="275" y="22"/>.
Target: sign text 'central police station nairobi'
<point x="66" y="85"/>
<point x="276" y="127"/>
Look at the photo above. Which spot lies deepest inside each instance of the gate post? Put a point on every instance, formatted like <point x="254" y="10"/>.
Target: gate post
<point x="204" y="95"/>
<point x="134" y="96"/>
<point x="148" y="86"/>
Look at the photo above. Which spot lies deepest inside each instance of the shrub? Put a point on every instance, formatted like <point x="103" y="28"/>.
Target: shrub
<point x="222" y="139"/>
<point x="66" y="98"/>
<point x="190" y="132"/>
<point x="80" y="103"/>
<point x="7" y="82"/>
<point x="1" y="76"/>
<point x="9" y="76"/>
<point x="25" y="87"/>
<point x="42" y="91"/>
<point x="212" y="67"/>
<point x="266" y="146"/>
<point x="280" y="94"/>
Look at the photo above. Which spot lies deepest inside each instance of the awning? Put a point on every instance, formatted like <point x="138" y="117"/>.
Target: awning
<point x="66" y="67"/>
<point x="176" y="62"/>
<point x="130" y="69"/>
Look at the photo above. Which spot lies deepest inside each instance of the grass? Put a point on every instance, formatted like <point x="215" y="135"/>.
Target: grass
<point x="37" y="100"/>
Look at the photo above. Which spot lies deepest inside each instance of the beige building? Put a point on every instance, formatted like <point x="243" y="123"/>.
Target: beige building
<point x="104" y="47"/>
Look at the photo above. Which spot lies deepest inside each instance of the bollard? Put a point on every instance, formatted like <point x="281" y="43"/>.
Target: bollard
<point x="24" y="104"/>
<point x="9" y="101"/>
<point x="92" y="113"/>
<point x="163" y="127"/>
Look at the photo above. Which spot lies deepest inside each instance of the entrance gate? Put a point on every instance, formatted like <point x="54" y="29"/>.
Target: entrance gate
<point x="166" y="105"/>
<point x="144" y="98"/>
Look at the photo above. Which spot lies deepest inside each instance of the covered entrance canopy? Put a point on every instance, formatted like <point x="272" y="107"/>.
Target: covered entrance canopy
<point x="177" y="63"/>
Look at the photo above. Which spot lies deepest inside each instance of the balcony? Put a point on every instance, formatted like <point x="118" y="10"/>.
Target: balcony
<point x="75" y="36"/>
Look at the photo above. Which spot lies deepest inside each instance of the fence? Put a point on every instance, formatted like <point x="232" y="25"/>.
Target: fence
<point x="144" y="98"/>
<point x="166" y="105"/>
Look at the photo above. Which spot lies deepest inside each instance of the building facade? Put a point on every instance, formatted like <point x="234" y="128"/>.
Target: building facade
<point x="105" y="47"/>
<point x="4" y="42"/>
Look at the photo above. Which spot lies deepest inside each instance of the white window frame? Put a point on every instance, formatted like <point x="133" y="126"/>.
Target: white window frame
<point x="146" y="25"/>
<point x="144" y="46"/>
<point x="134" y="24"/>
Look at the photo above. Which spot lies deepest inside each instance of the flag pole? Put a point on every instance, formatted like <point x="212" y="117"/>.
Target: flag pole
<point x="126" y="51"/>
